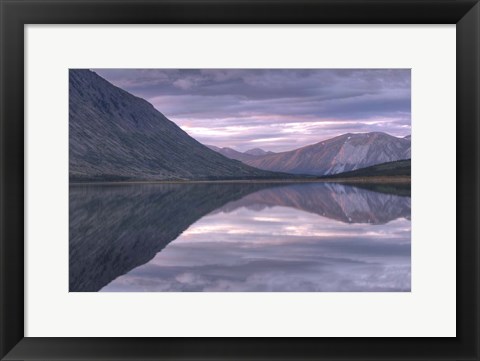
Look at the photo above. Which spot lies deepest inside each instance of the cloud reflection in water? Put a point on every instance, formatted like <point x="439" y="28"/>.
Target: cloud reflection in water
<point x="253" y="245"/>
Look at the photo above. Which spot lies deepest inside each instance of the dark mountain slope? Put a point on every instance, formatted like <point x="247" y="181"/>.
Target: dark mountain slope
<point x="117" y="136"/>
<point x="389" y="169"/>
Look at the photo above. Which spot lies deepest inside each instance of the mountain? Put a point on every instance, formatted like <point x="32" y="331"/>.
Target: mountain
<point x="117" y="136"/>
<point x="258" y="152"/>
<point x="243" y="157"/>
<point x="389" y="169"/>
<point x="232" y="153"/>
<point x="336" y="155"/>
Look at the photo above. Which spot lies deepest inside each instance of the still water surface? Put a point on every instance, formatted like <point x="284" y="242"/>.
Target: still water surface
<point x="239" y="237"/>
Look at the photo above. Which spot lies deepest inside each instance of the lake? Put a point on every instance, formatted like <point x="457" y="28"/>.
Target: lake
<point x="246" y="237"/>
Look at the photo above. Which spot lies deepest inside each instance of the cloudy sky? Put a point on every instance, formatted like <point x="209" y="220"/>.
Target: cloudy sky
<point x="275" y="109"/>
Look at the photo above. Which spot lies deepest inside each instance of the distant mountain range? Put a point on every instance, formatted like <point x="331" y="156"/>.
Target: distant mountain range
<point x="115" y="136"/>
<point x="241" y="156"/>
<point x="258" y="152"/>
<point x="344" y="153"/>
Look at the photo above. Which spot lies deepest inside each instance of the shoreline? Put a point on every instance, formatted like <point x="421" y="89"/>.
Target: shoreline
<point x="363" y="180"/>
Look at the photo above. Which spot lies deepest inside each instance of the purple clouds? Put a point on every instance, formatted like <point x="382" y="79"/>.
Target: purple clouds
<point x="274" y="109"/>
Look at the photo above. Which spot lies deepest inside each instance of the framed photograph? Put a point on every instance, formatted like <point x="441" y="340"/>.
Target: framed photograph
<point x="239" y="180"/>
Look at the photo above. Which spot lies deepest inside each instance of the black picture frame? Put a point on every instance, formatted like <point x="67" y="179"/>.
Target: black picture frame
<point x="15" y="14"/>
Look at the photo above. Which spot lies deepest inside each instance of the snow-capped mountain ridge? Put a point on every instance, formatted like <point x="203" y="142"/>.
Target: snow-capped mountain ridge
<point x="343" y="153"/>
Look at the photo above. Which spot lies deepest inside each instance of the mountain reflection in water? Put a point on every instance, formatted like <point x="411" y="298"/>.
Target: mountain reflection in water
<point x="238" y="237"/>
